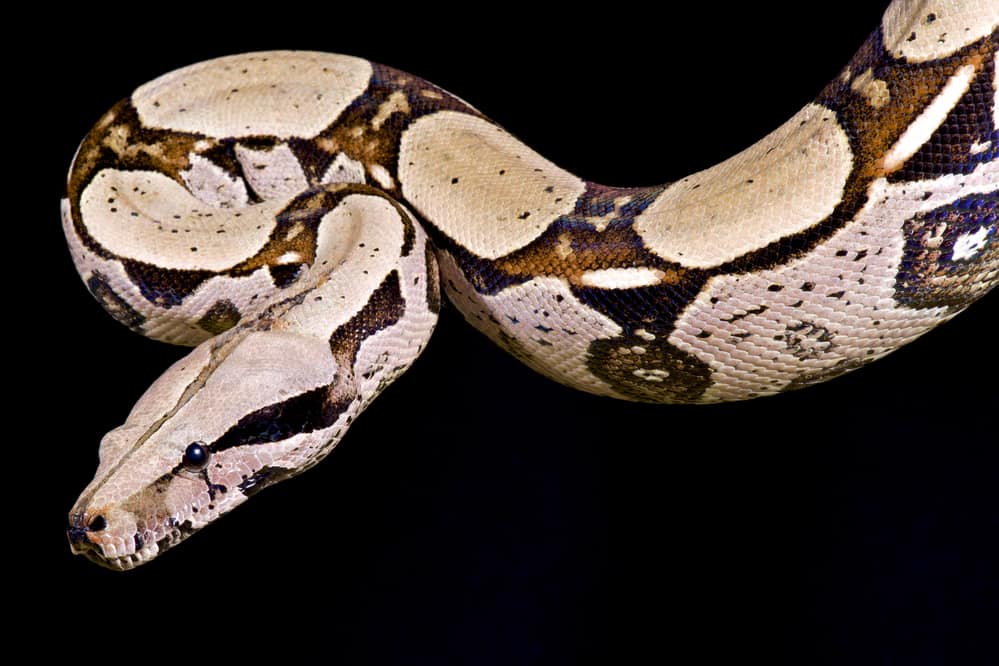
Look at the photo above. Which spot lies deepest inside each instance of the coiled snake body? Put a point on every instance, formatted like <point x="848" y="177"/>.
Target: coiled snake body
<point x="294" y="214"/>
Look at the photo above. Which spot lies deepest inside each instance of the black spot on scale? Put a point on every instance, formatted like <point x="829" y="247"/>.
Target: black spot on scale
<point x="116" y="306"/>
<point x="222" y="316"/>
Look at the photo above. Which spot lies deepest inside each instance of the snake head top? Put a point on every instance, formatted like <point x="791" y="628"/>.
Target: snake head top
<point x="215" y="428"/>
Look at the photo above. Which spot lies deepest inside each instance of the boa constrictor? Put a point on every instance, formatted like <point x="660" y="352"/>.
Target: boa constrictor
<point x="293" y="214"/>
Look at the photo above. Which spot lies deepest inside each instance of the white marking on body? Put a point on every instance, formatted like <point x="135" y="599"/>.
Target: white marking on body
<point x="211" y="184"/>
<point x="381" y="176"/>
<point x="622" y="278"/>
<point x="278" y="93"/>
<point x="977" y="148"/>
<point x="343" y="169"/>
<point x="274" y="173"/>
<point x="146" y="216"/>
<point x="923" y="127"/>
<point x="651" y="375"/>
<point x="935" y="29"/>
<point x="479" y="185"/>
<point x="600" y="223"/>
<point x="781" y="185"/>
<point x="968" y="245"/>
<point x="645" y="335"/>
<point x="396" y="103"/>
<point x="875" y="90"/>
<point x="289" y="258"/>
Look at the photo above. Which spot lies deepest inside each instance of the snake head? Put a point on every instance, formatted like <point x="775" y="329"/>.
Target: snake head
<point x="232" y="417"/>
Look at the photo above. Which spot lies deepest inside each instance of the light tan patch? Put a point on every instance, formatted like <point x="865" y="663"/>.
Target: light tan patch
<point x="875" y="90"/>
<point x="782" y="185"/>
<point x="479" y="185"/>
<point x="213" y="185"/>
<point x="622" y="278"/>
<point x="396" y="103"/>
<point x="932" y="29"/>
<point x="381" y="176"/>
<point x="564" y="246"/>
<point x="274" y="173"/>
<point x="277" y="93"/>
<point x="148" y="217"/>
<point x="343" y="169"/>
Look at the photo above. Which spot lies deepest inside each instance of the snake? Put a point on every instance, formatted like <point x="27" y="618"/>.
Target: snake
<point x="298" y="217"/>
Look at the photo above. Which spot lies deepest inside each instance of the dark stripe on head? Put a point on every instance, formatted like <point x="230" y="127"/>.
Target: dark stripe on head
<point x="306" y="412"/>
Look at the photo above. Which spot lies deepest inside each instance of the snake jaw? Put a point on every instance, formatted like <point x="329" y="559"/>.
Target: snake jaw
<point x="133" y="536"/>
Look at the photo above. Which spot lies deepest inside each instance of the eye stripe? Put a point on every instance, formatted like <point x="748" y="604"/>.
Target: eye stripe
<point x="306" y="412"/>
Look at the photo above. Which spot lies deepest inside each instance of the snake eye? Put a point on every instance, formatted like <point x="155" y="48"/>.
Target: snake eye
<point x="195" y="456"/>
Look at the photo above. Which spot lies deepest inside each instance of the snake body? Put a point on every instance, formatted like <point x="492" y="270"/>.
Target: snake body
<point x="296" y="216"/>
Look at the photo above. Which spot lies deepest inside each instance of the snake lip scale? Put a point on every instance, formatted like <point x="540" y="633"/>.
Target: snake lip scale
<point x="297" y="217"/>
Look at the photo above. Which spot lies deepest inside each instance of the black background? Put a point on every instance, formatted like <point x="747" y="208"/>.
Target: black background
<point x="477" y="513"/>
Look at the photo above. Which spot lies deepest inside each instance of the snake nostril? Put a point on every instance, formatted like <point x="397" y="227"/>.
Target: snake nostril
<point x="97" y="524"/>
<point x="78" y="536"/>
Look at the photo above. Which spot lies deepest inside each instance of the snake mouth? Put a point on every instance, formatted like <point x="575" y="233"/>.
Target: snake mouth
<point x="144" y="546"/>
<point x="120" y="563"/>
<point x="127" y="561"/>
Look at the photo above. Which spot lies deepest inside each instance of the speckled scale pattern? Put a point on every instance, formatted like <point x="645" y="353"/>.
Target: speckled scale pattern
<point x="303" y="252"/>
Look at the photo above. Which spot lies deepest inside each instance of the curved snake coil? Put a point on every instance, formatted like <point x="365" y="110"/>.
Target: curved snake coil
<point x="294" y="213"/>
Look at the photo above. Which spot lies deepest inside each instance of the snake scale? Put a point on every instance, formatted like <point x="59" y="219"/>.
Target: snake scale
<point x="297" y="216"/>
